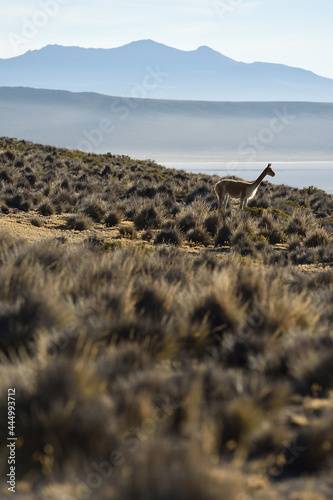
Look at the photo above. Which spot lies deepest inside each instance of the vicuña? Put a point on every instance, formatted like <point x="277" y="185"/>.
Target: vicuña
<point x="230" y="188"/>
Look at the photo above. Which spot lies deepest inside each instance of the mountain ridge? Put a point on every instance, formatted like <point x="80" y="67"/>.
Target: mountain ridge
<point x="158" y="71"/>
<point x="168" y="130"/>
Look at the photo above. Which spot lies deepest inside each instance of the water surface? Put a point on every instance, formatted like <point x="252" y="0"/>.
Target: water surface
<point x="295" y="174"/>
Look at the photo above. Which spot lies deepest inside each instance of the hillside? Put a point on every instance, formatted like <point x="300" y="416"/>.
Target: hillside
<point x="153" y="70"/>
<point x="155" y="347"/>
<point x="169" y="130"/>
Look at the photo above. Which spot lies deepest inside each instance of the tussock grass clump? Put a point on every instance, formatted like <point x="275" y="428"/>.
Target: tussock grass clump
<point x="127" y="232"/>
<point x="212" y="223"/>
<point x="298" y="224"/>
<point x="5" y="177"/>
<point x="168" y="236"/>
<point x="218" y="310"/>
<point x="148" y="218"/>
<point x="294" y="243"/>
<point x="223" y="236"/>
<point x="94" y="210"/>
<point x="18" y="201"/>
<point x="32" y="179"/>
<point x="4" y="208"/>
<point x="317" y="238"/>
<point x="187" y="222"/>
<point x="147" y="235"/>
<point x="198" y="236"/>
<point x="274" y="236"/>
<point x="36" y="221"/>
<point x="79" y="222"/>
<point x="150" y="301"/>
<point x="113" y="219"/>
<point x="314" y="445"/>
<point x="46" y="209"/>
<point x="267" y="221"/>
<point x="241" y="242"/>
<point x="176" y="474"/>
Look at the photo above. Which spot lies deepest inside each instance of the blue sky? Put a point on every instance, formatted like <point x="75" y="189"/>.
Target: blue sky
<point x="293" y="32"/>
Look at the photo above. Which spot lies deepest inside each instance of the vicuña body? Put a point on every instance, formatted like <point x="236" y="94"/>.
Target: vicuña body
<point x="229" y="188"/>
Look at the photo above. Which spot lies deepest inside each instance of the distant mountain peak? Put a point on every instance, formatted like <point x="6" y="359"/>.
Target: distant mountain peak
<point x="203" y="48"/>
<point x="146" y="41"/>
<point x="154" y="70"/>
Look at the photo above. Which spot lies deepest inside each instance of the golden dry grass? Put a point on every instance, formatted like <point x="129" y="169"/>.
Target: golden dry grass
<point x="161" y="371"/>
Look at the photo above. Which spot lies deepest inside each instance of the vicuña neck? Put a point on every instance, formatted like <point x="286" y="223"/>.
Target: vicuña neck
<point x="260" y="179"/>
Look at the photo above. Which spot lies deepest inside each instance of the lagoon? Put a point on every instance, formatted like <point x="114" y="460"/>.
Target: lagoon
<point x="295" y="174"/>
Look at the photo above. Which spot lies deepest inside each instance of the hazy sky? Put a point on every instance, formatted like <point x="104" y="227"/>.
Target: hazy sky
<point x="293" y="32"/>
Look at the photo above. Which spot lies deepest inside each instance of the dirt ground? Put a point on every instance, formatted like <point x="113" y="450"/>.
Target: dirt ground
<point x="19" y="224"/>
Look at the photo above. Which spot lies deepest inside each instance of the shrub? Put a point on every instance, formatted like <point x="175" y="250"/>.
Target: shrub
<point x="201" y="191"/>
<point x="112" y="219"/>
<point x="297" y="225"/>
<point x="255" y="211"/>
<point x="303" y="255"/>
<point x="147" y="235"/>
<point x="198" y="235"/>
<point x="212" y="223"/>
<point x="16" y="201"/>
<point x="46" y="208"/>
<point x="4" y="208"/>
<point x="127" y="232"/>
<point x="147" y="218"/>
<point x="100" y="243"/>
<point x="317" y="238"/>
<point x="26" y="205"/>
<point x="317" y="371"/>
<point x="169" y="224"/>
<point x="294" y="243"/>
<point x="223" y="235"/>
<point x="36" y="221"/>
<point x="4" y="176"/>
<point x="242" y="243"/>
<point x="170" y="236"/>
<point x="147" y="192"/>
<point x="149" y="301"/>
<point x="314" y="445"/>
<point x="79" y="222"/>
<point x="10" y="155"/>
<point x="32" y="179"/>
<point x="94" y="210"/>
<point x="266" y="221"/>
<point x="261" y="201"/>
<point x="274" y="236"/>
<point x="219" y="314"/>
<point x="164" y="471"/>
<point x="187" y="222"/>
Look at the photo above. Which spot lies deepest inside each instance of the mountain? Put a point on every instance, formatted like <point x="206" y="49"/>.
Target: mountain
<point x="152" y="70"/>
<point x="169" y="130"/>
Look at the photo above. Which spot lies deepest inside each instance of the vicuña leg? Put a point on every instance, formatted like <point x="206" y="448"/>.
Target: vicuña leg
<point x="227" y="198"/>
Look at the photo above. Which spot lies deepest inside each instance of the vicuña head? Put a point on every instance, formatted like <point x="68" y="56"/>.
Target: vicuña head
<point x="269" y="171"/>
<point x="230" y="188"/>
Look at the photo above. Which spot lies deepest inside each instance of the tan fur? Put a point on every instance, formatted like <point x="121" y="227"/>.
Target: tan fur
<point x="229" y="188"/>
